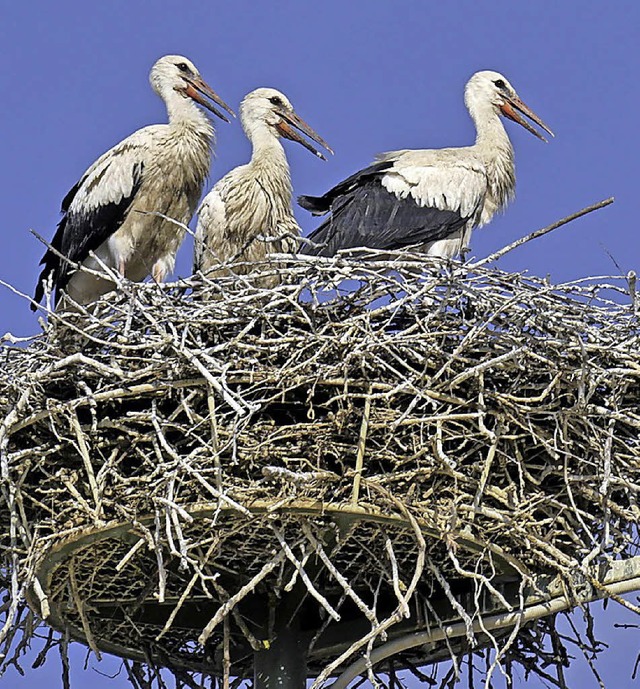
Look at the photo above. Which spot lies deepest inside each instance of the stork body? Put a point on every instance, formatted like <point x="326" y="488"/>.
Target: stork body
<point x="428" y="198"/>
<point x="111" y="210"/>
<point x="248" y="214"/>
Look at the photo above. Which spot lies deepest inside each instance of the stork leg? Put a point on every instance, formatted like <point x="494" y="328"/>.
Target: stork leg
<point x="158" y="273"/>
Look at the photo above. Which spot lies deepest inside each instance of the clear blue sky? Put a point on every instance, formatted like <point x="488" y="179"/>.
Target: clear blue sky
<point x="369" y="76"/>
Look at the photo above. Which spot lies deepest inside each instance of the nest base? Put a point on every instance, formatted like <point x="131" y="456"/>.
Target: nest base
<point x="110" y="584"/>
<point x="112" y="589"/>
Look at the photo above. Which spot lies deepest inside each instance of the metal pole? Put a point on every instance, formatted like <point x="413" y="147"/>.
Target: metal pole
<point x="284" y="664"/>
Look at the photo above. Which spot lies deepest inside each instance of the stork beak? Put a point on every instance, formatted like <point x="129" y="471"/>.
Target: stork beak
<point x="513" y="104"/>
<point x="291" y="124"/>
<point x="197" y="88"/>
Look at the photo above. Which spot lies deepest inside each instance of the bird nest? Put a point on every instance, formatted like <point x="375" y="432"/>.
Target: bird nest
<point x="398" y="458"/>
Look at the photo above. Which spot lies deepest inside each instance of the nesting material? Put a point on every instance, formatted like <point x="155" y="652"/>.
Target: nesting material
<point x="386" y="445"/>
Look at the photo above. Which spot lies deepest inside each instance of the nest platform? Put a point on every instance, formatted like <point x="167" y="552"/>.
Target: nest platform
<point x="399" y="459"/>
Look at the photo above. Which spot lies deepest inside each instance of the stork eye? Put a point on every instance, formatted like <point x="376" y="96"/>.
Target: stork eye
<point x="499" y="83"/>
<point x="183" y="67"/>
<point x="276" y="100"/>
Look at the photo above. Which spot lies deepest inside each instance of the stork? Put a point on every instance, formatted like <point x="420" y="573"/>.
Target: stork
<point x="248" y="214"/>
<point x="113" y="211"/>
<point x="432" y="198"/>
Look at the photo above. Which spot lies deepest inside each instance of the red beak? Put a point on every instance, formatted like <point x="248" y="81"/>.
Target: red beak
<point x="291" y="124"/>
<point x="197" y="89"/>
<point x="510" y="109"/>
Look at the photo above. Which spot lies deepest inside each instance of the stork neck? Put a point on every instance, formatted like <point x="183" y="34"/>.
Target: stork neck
<point x="266" y="146"/>
<point x="494" y="147"/>
<point x="269" y="158"/>
<point x="490" y="131"/>
<point x="270" y="166"/>
<point x="492" y="140"/>
<point x="183" y="111"/>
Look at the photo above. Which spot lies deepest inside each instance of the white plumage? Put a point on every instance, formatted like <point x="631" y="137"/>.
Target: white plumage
<point x="430" y="198"/>
<point x="248" y="214"/>
<point x="158" y="169"/>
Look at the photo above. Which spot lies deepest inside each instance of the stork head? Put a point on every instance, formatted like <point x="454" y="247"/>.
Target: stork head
<point x="493" y="89"/>
<point x="175" y="73"/>
<point x="271" y="108"/>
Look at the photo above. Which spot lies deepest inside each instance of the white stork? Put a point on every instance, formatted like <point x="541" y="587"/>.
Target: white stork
<point x="433" y="198"/>
<point x="160" y="168"/>
<point x="248" y="214"/>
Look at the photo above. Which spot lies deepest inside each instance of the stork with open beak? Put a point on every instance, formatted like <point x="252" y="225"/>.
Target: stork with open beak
<point x="159" y="169"/>
<point x="431" y="198"/>
<point x="248" y="214"/>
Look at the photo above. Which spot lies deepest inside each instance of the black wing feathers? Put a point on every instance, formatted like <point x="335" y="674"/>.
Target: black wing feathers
<point x="71" y="194"/>
<point x="318" y="205"/>
<point x="369" y="215"/>
<point x="81" y="231"/>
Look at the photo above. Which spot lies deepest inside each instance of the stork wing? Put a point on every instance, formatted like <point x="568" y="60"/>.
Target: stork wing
<point x="394" y="204"/>
<point x="96" y="207"/>
<point x="229" y="215"/>
<point x="209" y="231"/>
<point x="239" y="214"/>
<point x="319" y="205"/>
<point x="447" y="179"/>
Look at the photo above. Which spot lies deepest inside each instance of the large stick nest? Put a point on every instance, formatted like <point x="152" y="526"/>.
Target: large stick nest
<point x="391" y="442"/>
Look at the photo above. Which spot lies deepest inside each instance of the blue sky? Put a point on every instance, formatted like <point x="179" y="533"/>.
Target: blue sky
<point x="369" y="76"/>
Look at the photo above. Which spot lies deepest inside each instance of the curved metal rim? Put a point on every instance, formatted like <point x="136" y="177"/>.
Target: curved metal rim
<point x="301" y="506"/>
<point x="304" y="507"/>
<point x="623" y="576"/>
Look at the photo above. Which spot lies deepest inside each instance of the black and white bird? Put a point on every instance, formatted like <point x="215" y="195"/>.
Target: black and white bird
<point x="431" y="198"/>
<point x="110" y="211"/>
<point x="248" y="214"/>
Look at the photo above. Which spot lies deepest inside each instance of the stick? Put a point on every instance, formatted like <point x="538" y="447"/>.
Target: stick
<point x="362" y="440"/>
<point x="540" y="233"/>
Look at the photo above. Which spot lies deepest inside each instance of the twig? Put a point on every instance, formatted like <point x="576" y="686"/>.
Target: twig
<point x="540" y="233"/>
